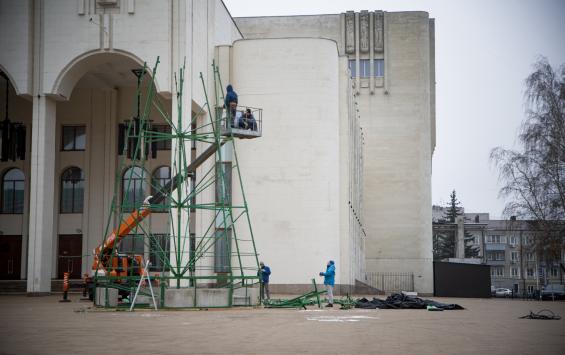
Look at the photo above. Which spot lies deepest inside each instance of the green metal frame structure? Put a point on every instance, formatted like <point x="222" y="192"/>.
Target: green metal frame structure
<point x="224" y="255"/>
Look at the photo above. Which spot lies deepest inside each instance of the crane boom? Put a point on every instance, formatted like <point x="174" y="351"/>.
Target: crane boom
<point x="103" y="251"/>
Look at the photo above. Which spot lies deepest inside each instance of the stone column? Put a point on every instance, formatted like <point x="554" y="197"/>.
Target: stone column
<point x="42" y="196"/>
<point x="460" y="242"/>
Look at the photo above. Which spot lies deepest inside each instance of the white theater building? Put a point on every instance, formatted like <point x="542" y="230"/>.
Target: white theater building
<point x="342" y="170"/>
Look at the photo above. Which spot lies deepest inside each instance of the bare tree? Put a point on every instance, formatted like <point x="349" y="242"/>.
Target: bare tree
<point x="533" y="178"/>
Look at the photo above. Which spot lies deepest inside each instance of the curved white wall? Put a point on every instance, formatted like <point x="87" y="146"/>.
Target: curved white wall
<point x="291" y="174"/>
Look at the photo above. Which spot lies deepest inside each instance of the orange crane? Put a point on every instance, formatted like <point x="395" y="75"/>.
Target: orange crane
<point x="103" y="253"/>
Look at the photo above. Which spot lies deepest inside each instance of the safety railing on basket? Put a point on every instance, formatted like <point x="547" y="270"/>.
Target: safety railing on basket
<point x="243" y="122"/>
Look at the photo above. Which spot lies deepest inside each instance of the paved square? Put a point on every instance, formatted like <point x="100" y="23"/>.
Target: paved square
<point x="488" y="326"/>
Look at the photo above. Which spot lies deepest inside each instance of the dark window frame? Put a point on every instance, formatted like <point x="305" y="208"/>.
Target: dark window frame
<point x="165" y="145"/>
<point x="74" y="187"/>
<point x="136" y="241"/>
<point x="222" y="250"/>
<point x="163" y="182"/>
<point x="74" y="129"/>
<point x="12" y="209"/>
<point x="135" y="179"/>
<point x="164" y="241"/>
<point x="227" y="168"/>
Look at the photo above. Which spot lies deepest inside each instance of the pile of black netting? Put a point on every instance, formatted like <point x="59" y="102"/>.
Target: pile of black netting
<point x="402" y="301"/>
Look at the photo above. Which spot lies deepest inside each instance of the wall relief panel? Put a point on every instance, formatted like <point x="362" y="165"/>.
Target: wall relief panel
<point x="364" y="31"/>
<point x="379" y="31"/>
<point x="350" y="32"/>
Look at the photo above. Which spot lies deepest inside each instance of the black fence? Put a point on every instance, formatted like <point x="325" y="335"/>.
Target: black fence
<point x="390" y="281"/>
<point x="461" y="280"/>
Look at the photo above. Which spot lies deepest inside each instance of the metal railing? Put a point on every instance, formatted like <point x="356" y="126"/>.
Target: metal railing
<point x="391" y="281"/>
<point x="238" y="124"/>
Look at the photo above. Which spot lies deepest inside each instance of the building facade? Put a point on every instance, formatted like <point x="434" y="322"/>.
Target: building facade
<point x="348" y="131"/>
<point x="509" y="247"/>
<point x="390" y="57"/>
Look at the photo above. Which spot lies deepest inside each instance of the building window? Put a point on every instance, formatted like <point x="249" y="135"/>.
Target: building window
<point x="530" y="272"/>
<point x="530" y="256"/>
<point x="162" y="138"/>
<point x="223" y="183"/>
<point x="515" y="272"/>
<point x="497" y="271"/>
<point x="553" y="272"/>
<point x="161" y="177"/>
<point x="364" y="68"/>
<point x="160" y="249"/>
<point x="132" y="244"/>
<point x="476" y="240"/>
<point x="493" y="239"/>
<point x="13" y="192"/>
<point x="134" y="187"/>
<point x="353" y="68"/>
<point x="379" y="67"/>
<point x="74" y="138"/>
<point x="530" y="289"/>
<point x="513" y="241"/>
<point x="515" y="256"/>
<point x="72" y="191"/>
<point x="495" y="256"/>
<point x="222" y="250"/>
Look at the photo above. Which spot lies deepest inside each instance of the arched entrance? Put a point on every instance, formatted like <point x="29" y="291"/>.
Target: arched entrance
<point x="108" y="67"/>
<point x="79" y="127"/>
<point x="15" y="128"/>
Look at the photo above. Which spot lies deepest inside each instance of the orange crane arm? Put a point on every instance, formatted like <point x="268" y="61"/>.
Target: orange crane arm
<point x="125" y="227"/>
<point x="103" y="251"/>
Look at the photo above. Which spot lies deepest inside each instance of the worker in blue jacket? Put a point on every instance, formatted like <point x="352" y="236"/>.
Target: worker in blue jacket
<point x="265" y="273"/>
<point x="329" y="280"/>
<point x="231" y="104"/>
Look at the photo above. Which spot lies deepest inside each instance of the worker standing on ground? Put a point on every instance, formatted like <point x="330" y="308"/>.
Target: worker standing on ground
<point x="265" y="273"/>
<point x="329" y="280"/>
<point x="231" y="104"/>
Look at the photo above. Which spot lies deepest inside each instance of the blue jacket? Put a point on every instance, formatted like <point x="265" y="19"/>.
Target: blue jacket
<point x="231" y="96"/>
<point x="265" y="272"/>
<point x="329" y="275"/>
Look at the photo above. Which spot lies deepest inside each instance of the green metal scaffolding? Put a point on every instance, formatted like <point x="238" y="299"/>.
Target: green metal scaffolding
<point x="219" y="254"/>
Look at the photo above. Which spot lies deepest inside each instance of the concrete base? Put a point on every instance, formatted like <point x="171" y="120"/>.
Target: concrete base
<point x="212" y="297"/>
<point x="179" y="297"/>
<point x="205" y="297"/>
<point x="247" y="296"/>
<point x="142" y="299"/>
<point x="101" y="294"/>
<point x="147" y="298"/>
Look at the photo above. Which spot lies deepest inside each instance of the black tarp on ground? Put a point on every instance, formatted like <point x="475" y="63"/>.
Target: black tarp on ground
<point x="461" y="280"/>
<point x="402" y="301"/>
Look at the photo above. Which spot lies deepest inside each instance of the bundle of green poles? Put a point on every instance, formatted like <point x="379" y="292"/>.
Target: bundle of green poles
<point x="307" y="299"/>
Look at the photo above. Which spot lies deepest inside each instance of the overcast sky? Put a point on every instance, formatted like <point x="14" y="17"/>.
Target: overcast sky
<point x="484" y="51"/>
